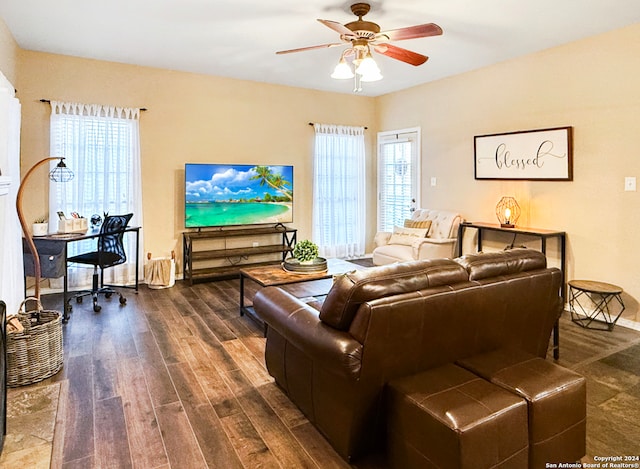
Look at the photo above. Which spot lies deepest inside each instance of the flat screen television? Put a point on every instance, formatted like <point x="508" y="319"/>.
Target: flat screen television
<point x="237" y="194"/>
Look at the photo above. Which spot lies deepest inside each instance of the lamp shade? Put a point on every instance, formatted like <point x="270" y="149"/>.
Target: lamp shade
<point x="342" y="70"/>
<point x="508" y="212"/>
<point x="368" y="67"/>
<point x="61" y="173"/>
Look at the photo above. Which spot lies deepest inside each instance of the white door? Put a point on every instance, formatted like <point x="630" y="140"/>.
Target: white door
<point x="398" y="176"/>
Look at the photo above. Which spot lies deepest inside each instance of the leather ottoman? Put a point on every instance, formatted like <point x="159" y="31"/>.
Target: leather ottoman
<point x="556" y="399"/>
<point x="447" y="417"/>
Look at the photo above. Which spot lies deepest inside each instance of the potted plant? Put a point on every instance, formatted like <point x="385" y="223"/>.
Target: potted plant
<point x="305" y="251"/>
<point x="40" y="226"/>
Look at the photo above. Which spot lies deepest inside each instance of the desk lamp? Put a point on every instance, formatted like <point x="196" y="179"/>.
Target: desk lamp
<point x="58" y="174"/>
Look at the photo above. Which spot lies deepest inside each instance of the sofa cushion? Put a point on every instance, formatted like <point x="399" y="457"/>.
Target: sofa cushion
<point x="513" y="261"/>
<point x="392" y="254"/>
<point x="411" y="223"/>
<point x="407" y="236"/>
<point x="352" y="289"/>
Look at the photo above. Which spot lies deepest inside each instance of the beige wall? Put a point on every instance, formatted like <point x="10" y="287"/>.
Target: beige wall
<point x="8" y="53"/>
<point x="190" y="118"/>
<point x="591" y="85"/>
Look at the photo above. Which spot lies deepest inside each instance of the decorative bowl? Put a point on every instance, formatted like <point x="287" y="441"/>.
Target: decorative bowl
<point x="319" y="264"/>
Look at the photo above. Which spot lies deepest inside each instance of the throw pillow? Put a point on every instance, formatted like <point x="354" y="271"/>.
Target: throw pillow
<point x="410" y="223"/>
<point x="407" y="236"/>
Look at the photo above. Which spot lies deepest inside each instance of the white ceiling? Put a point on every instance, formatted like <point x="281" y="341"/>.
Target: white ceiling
<point x="239" y="38"/>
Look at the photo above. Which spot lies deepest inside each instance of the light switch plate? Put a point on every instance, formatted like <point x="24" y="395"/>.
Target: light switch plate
<point x="630" y="183"/>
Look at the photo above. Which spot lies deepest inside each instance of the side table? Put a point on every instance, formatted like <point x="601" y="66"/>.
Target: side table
<point x="601" y="294"/>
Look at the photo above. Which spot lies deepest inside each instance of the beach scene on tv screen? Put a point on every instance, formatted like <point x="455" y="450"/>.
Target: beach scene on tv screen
<point x="224" y="195"/>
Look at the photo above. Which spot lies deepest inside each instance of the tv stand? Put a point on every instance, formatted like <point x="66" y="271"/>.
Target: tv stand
<point x="201" y="249"/>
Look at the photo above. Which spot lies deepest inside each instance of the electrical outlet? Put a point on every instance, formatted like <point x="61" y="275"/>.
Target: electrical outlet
<point x="630" y="184"/>
<point x="434" y="182"/>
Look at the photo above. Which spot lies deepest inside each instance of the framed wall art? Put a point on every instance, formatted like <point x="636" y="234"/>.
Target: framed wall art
<point x="540" y="155"/>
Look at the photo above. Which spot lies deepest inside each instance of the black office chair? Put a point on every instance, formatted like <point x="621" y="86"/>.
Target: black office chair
<point x="110" y="252"/>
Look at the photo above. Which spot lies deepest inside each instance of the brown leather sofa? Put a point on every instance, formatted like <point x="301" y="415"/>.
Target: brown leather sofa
<point x="399" y="320"/>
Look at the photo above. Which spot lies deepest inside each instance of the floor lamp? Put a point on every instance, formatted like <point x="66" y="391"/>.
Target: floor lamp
<point x="58" y="174"/>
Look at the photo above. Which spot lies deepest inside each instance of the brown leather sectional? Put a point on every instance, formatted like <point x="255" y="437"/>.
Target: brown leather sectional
<point x="385" y="335"/>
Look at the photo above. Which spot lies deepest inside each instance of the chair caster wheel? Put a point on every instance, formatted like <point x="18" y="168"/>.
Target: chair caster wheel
<point x="108" y="295"/>
<point x="68" y="308"/>
<point x="96" y="307"/>
<point x="123" y="300"/>
<point x="79" y="299"/>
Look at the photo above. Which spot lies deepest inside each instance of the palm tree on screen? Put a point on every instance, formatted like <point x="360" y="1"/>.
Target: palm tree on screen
<point x="276" y="181"/>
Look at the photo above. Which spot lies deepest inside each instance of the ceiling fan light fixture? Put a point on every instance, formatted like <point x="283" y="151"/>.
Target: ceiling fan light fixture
<point x="368" y="68"/>
<point x="342" y="70"/>
<point x="361" y="35"/>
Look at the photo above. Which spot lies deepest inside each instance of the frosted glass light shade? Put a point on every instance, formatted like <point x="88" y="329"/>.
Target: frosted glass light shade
<point x="368" y="67"/>
<point x="342" y="71"/>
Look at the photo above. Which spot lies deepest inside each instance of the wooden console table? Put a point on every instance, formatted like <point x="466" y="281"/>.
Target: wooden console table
<point x="535" y="232"/>
<point x="193" y="253"/>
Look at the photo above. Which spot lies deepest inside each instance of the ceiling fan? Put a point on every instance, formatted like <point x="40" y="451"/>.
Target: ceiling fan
<point x="364" y="35"/>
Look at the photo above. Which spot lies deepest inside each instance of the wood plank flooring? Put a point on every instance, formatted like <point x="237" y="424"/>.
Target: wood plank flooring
<point x="177" y="379"/>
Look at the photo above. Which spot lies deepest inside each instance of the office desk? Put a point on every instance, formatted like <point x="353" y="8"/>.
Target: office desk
<point x="64" y="239"/>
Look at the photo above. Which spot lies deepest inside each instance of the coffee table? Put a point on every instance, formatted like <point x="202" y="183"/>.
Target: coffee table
<point x="275" y="275"/>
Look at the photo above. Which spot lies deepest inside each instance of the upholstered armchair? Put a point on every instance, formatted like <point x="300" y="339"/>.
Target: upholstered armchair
<point x="428" y="234"/>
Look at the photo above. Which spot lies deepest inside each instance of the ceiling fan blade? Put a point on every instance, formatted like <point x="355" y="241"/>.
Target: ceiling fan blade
<point x="412" y="32"/>
<point x="404" y="55"/>
<point x="302" y="49"/>
<point x="337" y="27"/>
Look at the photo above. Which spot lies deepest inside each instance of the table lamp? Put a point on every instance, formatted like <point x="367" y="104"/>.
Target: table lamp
<point x="58" y="174"/>
<point x="508" y="212"/>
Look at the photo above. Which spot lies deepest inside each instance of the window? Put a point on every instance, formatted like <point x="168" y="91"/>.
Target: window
<point x="339" y="191"/>
<point x="101" y="146"/>
<point x="398" y="177"/>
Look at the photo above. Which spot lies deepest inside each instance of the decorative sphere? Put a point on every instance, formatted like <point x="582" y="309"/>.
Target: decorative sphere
<point x="96" y="220"/>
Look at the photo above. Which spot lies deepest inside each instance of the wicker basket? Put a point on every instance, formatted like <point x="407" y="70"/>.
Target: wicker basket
<point x="36" y="352"/>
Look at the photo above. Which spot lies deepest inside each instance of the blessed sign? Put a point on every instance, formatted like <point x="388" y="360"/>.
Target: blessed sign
<point x="530" y="155"/>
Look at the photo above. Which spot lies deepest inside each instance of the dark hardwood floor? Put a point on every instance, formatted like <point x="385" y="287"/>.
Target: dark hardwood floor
<point x="176" y="379"/>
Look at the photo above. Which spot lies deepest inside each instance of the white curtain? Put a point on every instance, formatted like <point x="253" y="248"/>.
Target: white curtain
<point x="11" y="271"/>
<point x="101" y="145"/>
<point x="339" y="191"/>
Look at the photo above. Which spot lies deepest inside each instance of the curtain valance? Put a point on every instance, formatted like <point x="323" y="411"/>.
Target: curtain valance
<point x="333" y="129"/>
<point x="94" y="110"/>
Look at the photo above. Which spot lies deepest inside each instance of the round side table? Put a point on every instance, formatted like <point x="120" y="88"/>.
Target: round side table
<point x="590" y="304"/>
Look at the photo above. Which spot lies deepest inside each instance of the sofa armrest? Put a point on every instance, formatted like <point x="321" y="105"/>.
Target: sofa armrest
<point x="382" y="238"/>
<point x="299" y="324"/>
<point x="433" y="248"/>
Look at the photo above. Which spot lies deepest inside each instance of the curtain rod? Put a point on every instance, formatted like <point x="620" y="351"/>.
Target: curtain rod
<point x="48" y="101"/>
<point x="365" y="128"/>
